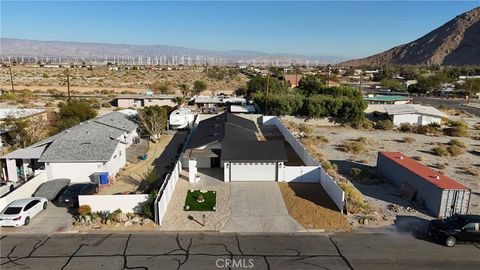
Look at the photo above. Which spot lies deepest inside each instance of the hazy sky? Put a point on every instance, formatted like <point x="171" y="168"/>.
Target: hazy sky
<point x="344" y="29"/>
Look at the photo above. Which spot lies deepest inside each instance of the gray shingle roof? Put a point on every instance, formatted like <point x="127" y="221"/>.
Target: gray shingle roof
<point x="91" y="141"/>
<point x="254" y="151"/>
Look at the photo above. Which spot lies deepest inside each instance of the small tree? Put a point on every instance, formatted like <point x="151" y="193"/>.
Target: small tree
<point x="199" y="86"/>
<point x="153" y="120"/>
<point x="161" y="87"/>
<point x="22" y="132"/>
<point x="73" y="113"/>
<point x="185" y="88"/>
<point x="179" y="101"/>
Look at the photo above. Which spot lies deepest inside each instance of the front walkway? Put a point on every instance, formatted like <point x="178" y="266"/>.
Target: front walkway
<point x="259" y="207"/>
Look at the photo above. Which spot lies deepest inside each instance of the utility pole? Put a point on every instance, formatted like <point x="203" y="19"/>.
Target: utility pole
<point x="11" y="78"/>
<point x="68" y="84"/>
<point x="266" y="96"/>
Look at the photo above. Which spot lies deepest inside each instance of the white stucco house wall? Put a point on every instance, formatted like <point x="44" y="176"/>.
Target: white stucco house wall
<point x="97" y="145"/>
<point x="414" y="114"/>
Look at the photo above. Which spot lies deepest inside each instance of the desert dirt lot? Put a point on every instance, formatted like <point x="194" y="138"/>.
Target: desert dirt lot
<point x="382" y="196"/>
<point x="310" y="205"/>
<point x="83" y="80"/>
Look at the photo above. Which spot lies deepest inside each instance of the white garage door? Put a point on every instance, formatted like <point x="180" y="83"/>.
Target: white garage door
<point x="253" y="172"/>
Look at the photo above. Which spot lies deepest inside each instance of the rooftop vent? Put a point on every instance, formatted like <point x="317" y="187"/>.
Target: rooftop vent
<point x="436" y="176"/>
<point x="400" y="157"/>
<point x="86" y="143"/>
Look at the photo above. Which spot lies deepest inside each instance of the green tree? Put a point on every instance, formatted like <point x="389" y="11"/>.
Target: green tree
<point x="426" y="85"/>
<point x="153" y="120"/>
<point x="471" y="86"/>
<point x="179" y="101"/>
<point x="199" y="87"/>
<point x="72" y="113"/>
<point x="259" y="83"/>
<point x="311" y="85"/>
<point x="185" y="88"/>
<point x="22" y="132"/>
<point x="161" y="87"/>
<point x="391" y="84"/>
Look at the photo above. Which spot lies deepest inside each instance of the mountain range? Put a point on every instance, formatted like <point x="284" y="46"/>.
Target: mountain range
<point x="36" y="48"/>
<point x="457" y="42"/>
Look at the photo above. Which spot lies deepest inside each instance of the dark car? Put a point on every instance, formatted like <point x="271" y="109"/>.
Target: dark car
<point x="69" y="195"/>
<point x="457" y="228"/>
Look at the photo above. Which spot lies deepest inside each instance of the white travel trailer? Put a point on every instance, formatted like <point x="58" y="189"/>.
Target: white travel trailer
<point x="181" y="118"/>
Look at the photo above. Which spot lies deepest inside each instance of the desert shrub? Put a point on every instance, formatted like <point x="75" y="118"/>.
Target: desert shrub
<point x="322" y="139"/>
<point x="363" y="140"/>
<point x="440" y="151"/>
<point x="430" y="129"/>
<point x="419" y="158"/>
<point x="456" y="129"/>
<point x="408" y="139"/>
<point x="106" y="105"/>
<point x="356" y="172"/>
<point x="353" y="147"/>
<point x="328" y="166"/>
<point x="114" y="214"/>
<point x="365" y="123"/>
<point x="455" y="150"/>
<point x="355" y="202"/>
<point x="456" y="142"/>
<point x="8" y="96"/>
<point x="470" y="171"/>
<point x="304" y="128"/>
<point x="384" y="125"/>
<point x="442" y="166"/>
<point x="84" y="210"/>
<point x="477" y="126"/>
<point x="405" y="127"/>
<point x="148" y="207"/>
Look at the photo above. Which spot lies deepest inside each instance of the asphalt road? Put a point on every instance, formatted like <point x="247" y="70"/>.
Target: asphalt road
<point x="450" y="103"/>
<point x="232" y="251"/>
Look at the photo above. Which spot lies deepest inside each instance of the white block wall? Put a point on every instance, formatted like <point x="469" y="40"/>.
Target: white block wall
<point x="127" y="203"/>
<point x="24" y="191"/>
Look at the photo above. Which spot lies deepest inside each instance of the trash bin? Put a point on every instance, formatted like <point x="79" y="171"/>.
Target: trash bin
<point x="144" y="157"/>
<point x="103" y="178"/>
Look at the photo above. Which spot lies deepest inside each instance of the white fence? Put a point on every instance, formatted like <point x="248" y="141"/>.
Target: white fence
<point x="296" y="145"/>
<point x="127" y="203"/>
<point x="24" y="191"/>
<point x="165" y="193"/>
<point x="302" y="174"/>
<point x="313" y="172"/>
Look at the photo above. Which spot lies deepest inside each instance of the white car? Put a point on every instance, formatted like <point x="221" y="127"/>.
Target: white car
<point x="20" y="212"/>
<point x="6" y="187"/>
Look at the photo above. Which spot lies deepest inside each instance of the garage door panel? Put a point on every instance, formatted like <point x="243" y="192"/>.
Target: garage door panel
<point x="253" y="172"/>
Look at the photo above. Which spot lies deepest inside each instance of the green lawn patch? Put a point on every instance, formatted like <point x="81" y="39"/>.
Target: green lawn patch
<point x="192" y="204"/>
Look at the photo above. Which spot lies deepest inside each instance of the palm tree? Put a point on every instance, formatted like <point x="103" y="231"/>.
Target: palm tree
<point x="185" y="89"/>
<point x="179" y="101"/>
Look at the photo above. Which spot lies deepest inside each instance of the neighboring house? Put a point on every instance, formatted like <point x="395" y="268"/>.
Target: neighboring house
<point x="331" y="83"/>
<point x="218" y="101"/>
<point x="140" y="101"/>
<point x="384" y="100"/>
<point x="96" y="145"/>
<point x="439" y="194"/>
<point x="37" y="115"/>
<point x="414" y="114"/>
<point x="230" y="142"/>
<point x="292" y="79"/>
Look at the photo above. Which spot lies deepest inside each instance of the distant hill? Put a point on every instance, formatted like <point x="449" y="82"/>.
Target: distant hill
<point x="457" y="42"/>
<point x="35" y="48"/>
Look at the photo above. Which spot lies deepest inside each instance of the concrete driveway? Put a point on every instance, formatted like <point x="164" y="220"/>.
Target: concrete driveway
<point x="52" y="220"/>
<point x="259" y="207"/>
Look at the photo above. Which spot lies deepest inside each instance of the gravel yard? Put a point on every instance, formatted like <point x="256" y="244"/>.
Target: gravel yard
<point x="176" y="219"/>
<point x="383" y="197"/>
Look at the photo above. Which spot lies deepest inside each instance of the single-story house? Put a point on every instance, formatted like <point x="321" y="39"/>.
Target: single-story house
<point x="414" y="114"/>
<point x="94" y="146"/>
<point x="439" y="194"/>
<point x="140" y="101"/>
<point x="231" y="142"/>
<point x="218" y="101"/>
